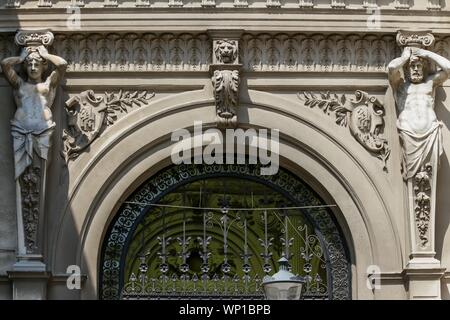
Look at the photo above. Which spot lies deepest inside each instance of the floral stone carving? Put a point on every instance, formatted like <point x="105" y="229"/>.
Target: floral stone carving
<point x="422" y="202"/>
<point x="225" y="80"/>
<point x="89" y="114"/>
<point x="363" y="115"/>
<point x="226" y="93"/>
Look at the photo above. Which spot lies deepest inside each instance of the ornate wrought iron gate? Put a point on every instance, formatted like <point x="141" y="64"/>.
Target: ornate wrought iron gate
<point x="198" y="231"/>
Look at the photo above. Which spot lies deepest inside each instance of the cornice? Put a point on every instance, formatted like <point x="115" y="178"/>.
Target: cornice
<point x="200" y="19"/>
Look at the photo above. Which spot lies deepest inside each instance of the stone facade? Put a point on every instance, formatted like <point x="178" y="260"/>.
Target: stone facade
<point x="317" y="71"/>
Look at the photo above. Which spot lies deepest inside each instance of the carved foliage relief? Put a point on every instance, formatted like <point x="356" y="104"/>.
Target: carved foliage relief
<point x="319" y="52"/>
<point x="226" y="93"/>
<point x="30" y="184"/>
<point x="258" y="52"/>
<point x="88" y="114"/>
<point x="226" y="80"/>
<point x="363" y="115"/>
<point x="135" y="52"/>
<point x="422" y="203"/>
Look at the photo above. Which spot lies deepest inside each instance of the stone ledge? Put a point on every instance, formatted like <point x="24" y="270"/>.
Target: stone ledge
<point x="424" y="273"/>
<point x="250" y="19"/>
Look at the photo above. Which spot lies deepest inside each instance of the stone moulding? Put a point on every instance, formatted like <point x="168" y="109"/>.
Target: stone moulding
<point x="363" y="115"/>
<point x="135" y="52"/>
<point x="88" y="114"/>
<point x="318" y="52"/>
<point x="324" y="4"/>
<point x="144" y="52"/>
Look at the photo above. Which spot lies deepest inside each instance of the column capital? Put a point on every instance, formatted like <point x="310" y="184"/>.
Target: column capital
<point x="415" y="38"/>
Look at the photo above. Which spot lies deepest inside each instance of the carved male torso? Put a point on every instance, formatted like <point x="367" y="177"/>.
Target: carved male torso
<point x="414" y="94"/>
<point x="415" y="103"/>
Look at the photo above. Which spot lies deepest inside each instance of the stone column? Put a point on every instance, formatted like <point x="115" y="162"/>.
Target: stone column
<point x="32" y="129"/>
<point x="422" y="146"/>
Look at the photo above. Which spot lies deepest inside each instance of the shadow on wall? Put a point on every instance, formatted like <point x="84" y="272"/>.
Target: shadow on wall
<point x="8" y="225"/>
<point x="57" y="202"/>
<point x="57" y="179"/>
<point x="443" y="203"/>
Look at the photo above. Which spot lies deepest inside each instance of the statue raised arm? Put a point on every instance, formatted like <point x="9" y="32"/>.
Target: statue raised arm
<point x="414" y="95"/>
<point x="414" y="84"/>
<point x="32" y="128"/>
<point x="34" y="97"/>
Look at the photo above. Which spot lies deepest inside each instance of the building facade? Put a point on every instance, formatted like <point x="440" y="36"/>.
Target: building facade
<point x="358" y="202"/>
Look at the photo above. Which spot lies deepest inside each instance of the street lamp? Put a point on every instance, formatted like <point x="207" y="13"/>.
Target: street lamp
<point x="283" y="285"/>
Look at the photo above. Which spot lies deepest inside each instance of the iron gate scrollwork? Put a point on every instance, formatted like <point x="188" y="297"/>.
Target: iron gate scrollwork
<point x="157" y="250"/>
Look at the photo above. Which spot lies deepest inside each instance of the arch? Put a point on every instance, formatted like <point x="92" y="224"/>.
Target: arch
<point x="117" y="238"/>
<point x="139" y="145"/>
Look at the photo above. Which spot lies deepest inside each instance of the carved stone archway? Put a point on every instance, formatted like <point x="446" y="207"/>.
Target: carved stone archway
<point x="118" y="238"/>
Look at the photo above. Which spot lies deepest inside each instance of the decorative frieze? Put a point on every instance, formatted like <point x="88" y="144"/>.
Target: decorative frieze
<point x="322" y="4"/>
<point x="175" y="3"/>
<point x="273" y="4"/>
<point x="370" y="4"/>
<point x="338" y="4"/>
<point x="240" y="3"/>
<point x="318" y="52"/>
<point x="142" y="3"/>
<point x="7" y="46"/>
<point x="13" y="3"/>
<point x="259" y="52"/>
<point x="45" y="3"/>
<point x="402" y="4"/>
<point x="77" y="3"/>
<point x="306" y="3"/>
<point x="135" y="52"/>
<point x="363" y="115"/>
<point x="88" y="114"/>
<point x="208" y="3"/>
<point x="434" y="5"/>
<point x="110" y="4"/>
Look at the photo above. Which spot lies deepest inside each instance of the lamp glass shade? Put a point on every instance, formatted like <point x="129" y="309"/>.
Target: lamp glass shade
<point x="283" y="285"/>
<point x="283" y="290"/>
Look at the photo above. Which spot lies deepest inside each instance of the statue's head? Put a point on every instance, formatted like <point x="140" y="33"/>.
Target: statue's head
<point x="416" y="69"/>
<point x="226" y="51"/>
<point x="35" y="66"/>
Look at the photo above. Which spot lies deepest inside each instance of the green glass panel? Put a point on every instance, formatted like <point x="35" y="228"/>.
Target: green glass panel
<point x="245" y="232"/>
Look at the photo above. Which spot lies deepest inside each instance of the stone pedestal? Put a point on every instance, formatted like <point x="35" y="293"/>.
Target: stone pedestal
<point x="29" y="278"/>
<point x="423" y="276"/>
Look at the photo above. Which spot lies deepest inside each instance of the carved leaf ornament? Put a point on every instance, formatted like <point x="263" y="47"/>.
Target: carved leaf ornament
<point x="89" y="114"/>
<point x="363" y="115"/>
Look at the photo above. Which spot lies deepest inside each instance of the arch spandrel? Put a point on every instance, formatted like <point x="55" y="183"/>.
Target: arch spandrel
<point x="123" y="158"/>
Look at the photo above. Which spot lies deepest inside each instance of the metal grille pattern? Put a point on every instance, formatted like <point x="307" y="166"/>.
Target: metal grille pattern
<point x="322" y="240"/>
